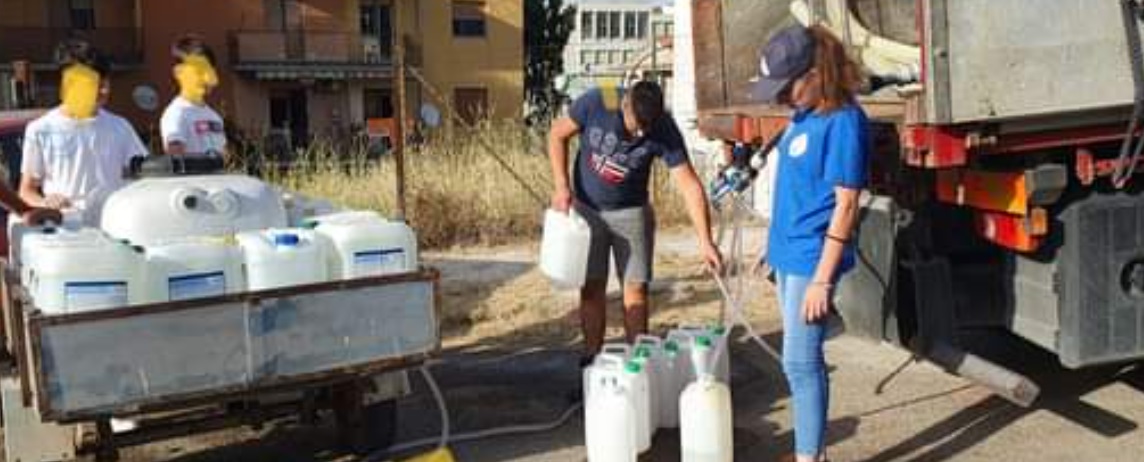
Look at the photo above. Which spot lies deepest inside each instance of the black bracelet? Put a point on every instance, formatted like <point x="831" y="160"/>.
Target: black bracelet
<point x="837" y="239"/>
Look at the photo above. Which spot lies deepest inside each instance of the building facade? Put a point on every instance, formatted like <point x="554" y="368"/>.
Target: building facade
<point x="617" y="40"/>
<point x="299" y="68"/>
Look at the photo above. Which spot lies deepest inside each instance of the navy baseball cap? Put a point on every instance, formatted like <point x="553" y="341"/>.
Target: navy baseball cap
<point x="787" y="56"/>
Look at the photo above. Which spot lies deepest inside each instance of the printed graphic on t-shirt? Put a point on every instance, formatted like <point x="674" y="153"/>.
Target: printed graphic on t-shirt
<point x="203" y="127"/>
<point x="609" y="158"/>
<point x="798" y="145"/>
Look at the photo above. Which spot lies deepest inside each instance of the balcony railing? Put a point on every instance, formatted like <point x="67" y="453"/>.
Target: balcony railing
<point x="38" y="44"/>
<point x="307" y="47"/>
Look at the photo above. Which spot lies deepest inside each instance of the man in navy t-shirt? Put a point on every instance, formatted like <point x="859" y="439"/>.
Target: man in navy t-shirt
<point x="621" y="134"/>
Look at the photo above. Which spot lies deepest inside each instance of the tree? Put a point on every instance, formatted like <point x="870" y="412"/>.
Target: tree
<point x="548" y="24"/>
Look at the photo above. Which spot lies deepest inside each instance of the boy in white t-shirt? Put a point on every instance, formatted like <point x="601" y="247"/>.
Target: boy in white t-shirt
<point x="189" y="126"/>
<point x="77" y="154"/>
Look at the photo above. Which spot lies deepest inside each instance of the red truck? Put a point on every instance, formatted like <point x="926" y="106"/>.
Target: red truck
<point x="1005" y="190"/>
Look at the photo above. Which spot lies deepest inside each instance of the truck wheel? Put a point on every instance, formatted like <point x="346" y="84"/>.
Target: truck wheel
<point x="364" y="429"/>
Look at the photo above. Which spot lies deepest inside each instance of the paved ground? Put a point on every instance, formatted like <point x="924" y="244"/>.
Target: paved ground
<point x="921" y="415"/>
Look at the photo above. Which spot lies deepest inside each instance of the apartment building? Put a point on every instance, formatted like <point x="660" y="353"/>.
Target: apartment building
<point x="301" y="68"/>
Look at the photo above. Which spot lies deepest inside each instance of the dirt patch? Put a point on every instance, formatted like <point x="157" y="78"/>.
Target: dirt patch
<point x="500" y="298"/>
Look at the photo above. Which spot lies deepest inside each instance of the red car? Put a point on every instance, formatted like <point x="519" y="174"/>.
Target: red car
<point x="12" y="125"/>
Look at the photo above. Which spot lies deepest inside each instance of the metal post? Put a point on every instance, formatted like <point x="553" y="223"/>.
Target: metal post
<point x="399" y="94"/>
<point x="654" y="38"/>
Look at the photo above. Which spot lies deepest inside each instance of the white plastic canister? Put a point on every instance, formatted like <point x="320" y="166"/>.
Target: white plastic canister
<point x="363" y="244"/>
<point x="564" y="249"/>
<point x="283" y="258"/>
<point x="82" y="270"/>
<point x="190" y="268"/>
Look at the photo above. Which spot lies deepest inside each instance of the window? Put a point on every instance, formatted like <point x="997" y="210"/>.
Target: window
<point x="468" y="19"/>
<point x="630" y="25"/>
<point x="614" y="24"/>
<point x="601" y="57"/>
<point x="586" y="57"/>
<point x="601" y="24"/>
<point x="472" y="103"/>
<point x="377" y="104"/>
<point x="283" y="14"/>
<point x="629" y="56"/>
<point x="614" y="58"/>
<point x="81" y="13"/>
<point x="375" y="21"/>
<point x="586" y="25"/>
<point x="641" y="25"/>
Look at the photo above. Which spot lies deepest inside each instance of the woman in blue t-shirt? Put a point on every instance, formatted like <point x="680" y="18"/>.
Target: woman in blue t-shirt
<point x="820" y="175"/>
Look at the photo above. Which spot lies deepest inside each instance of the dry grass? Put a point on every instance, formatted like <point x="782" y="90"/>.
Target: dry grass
<point x="457" y="191"/>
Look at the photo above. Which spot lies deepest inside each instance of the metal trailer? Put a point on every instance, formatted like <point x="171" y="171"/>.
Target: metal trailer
<point x="990" y="205"/>
<point x="200" y="365"/>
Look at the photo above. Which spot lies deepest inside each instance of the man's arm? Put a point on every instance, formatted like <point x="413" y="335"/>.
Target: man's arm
<point x="171" y="133"/>
<point x="695" y="199"/>
<point x="563" y="129"/>
<point x="11" y="201"/>
<point x="31" y="193"/>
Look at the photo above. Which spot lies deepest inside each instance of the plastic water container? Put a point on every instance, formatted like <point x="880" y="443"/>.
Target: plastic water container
<point x="72" y="220"/>
<point x="191" y="268"/>
<point x="685" y="369"/>
<point x="651" y="371"/>
<point x="639" y="382"/>
<point x="611" y="353"/>
<point x="672" y="384"/>
<point x="300" y="208"/>
<point x="82" y="270"/>
<point x="661" y="383"/>
<point x="685" y="335"/>
<point x="283" y="258"/>
<point x="154" y="210"/>
<point x="610" y="416"/>
<point x="564" y="249"/>
<point x="706" y="431"/>
<point x="363" y="244"/>
<point x="719" y="336"/>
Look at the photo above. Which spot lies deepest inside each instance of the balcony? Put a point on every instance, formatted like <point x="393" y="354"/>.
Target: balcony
<point x="38" y="44"/>
<point x="308" y="47"/>
<point x="305" y="54"/>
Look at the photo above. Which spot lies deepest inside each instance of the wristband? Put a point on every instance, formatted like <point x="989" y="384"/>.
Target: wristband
<point x="837" y="239"/>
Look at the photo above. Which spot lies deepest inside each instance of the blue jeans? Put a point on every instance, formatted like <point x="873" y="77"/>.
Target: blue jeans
<point x="805" y="367"/>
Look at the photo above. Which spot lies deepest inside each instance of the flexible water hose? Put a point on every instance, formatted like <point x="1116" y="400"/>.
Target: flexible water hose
<point x="737" y="312"/>
<point x="446" y="438"/>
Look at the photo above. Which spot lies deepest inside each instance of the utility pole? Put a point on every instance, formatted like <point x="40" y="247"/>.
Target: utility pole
<point x="399" y="93"/>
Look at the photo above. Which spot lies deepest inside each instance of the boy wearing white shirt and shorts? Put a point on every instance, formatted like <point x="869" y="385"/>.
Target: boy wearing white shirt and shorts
<point x="78" y="153"/>
<point x="189" y="126"/>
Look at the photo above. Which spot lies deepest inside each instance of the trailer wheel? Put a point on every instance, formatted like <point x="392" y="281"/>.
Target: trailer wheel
<point x="364" y="429"/>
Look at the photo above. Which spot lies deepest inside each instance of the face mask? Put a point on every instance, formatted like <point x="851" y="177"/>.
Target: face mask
<point x="79" y="91"/>
<point x="196" y="76"/>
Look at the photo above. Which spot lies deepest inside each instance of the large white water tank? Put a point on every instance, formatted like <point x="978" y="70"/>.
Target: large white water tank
<point x="363" y="244"/>
<point x="153" y="210"/>
<point x="197" y="267"/>
<point x="82" y="270"/>
<point x="282" y="258"/>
